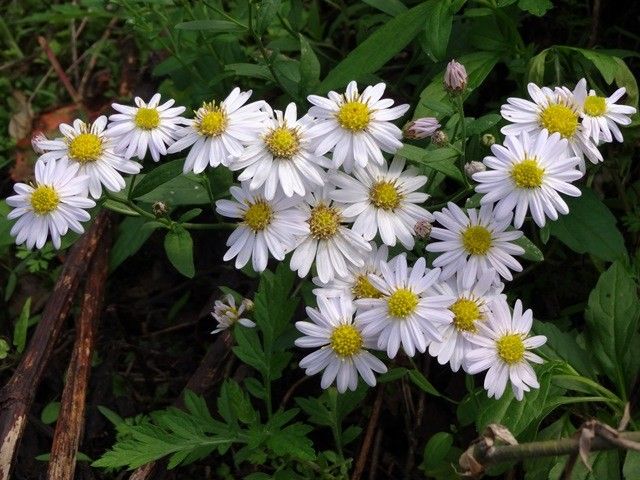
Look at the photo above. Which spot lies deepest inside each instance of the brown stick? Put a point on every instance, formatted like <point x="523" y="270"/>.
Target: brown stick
<point x="17" y="395"/>
<point x="363" y="456"/>
<point x="59" y="71"/>
<point x="201" y="381"/>
<point x="70" y="424"/>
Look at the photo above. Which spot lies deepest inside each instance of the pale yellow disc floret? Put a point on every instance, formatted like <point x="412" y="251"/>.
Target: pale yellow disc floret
<point x="346" y="341"/>
<point x="283" y="142"/>
<point x="324" y="221"/>
<point x="258" y="216"/>
<point x="402" y="303"/>
<point x="385" y="195"/>
<point x="511" y="348"/>
<point x="44" y="199"/>
<point x="85" y="148"/>
<point x="476" y="240"/>
<point x="147" y="118"/>
<point x="559" y="118"/>
<point x="466" y="313"/>
<point x="527" y="174"/>
<point x="354" y="116"/>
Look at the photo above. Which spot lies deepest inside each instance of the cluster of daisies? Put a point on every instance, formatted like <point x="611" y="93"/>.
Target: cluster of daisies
<point x="318" y="187"/>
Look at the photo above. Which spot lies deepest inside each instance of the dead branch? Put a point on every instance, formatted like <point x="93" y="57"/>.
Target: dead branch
<point x="70" y="424"/>
<point x="363" y="456"/>
<point x="58" y="69"/>
<point x="17" y="395"/>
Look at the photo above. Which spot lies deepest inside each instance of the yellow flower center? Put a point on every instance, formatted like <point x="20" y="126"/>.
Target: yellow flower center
<point x="559" y="118"/>
<point x="324" y="221"/>
<point x="44" y="199"/>
<point x="511" y="348"/>
<point x="402" y="303"/>
<point x="362" y="288"/>
<point x="147" y="118"/>
<point x="476" y="240"/>
<point x="282" y="142"/>
<point x="527" y="174"/>
<point x="85" y="148"/>
<point x="346" y="340"/>
<point x="595" y="106"/>
<point x="212" y="120"/>
<point x="385" y="195"/>
<point x="258" y="216"/>
<point x="354" y="116"/>
<point x="466" y="312"/>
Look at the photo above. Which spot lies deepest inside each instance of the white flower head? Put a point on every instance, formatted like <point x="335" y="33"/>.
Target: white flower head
<point x="281" y="156"/>
<point x="147" y="126"/>
<point x="470" y="306"/>
<point x="356" y="126"/>
<point x="529" y="174"/>
<point x="56" y="203"/>
<point x="502" y="346"/>
<point x="341" y="345"/>
<point x="227" y="314"/>
<point x="557" y="111"/>
<point x="219" y="132"/>
<point x="408" y="313"/>
<point x="473" y="243"/>
<point x="266" y="226"/>
<point x="89" y="146"/>
<point x="356" y="283"/>
<point x="601" y="115"/>
<point x="331" y="244"/>
<point x="383" y="200"/>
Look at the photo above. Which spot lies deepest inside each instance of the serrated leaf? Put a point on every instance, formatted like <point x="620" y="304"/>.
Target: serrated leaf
<point x="178" y="246"/>
<point x="158" y="176"/>
<point x="292" y="440"/>
<point x="563" y="346"/>
<point x="378" y="48"/>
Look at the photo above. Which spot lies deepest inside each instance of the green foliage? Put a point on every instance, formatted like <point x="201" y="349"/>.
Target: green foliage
<point x="179" y="248"/>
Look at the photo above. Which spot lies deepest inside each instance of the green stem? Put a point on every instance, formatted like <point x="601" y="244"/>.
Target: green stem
<point x="263" y="51"/>
<point x="463" y="138"/>
<point x="131" y="184"/>
<point x="209" y="226"/>
<point x="6" y="33"/>
<point x="461" y="194"/>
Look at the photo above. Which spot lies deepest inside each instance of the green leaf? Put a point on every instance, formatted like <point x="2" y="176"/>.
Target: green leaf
<point x="20" y="330"/>
<point x="179" y="248"/>
<point x="129" y="239"/>
<point x="309" y="67"/>
<point x="421" y="382"/>
<point x="436" y="452"/>
<point x="184" y="189"/>
<point x="480" y="125"/>
<point x="250" y="70"/>
<point x="537" y="66"/>
<point x="625" y="78"/>
<point x="50" y="413"/>
<point x="612" y="321"/>
<point x="441" y="159"/>
<point x="210" y="26"/>
<point x="531" y="252"/>
<point x="266" y="14"/>
<point x="631" y="465"/>
<point x="589" y="227"/>
<point x="119" y="207"/>
<point x="438" y="29"/>
<point x="390" y="7"/>
<point x="158" y="176"/>
<point x="563" y="346"/>
<point x="535" y="7"/>
<point x="292" y="440"/>
<point x="5" y="348"/>
<point x="378" y="48"/>
<point x="606" y="64"/>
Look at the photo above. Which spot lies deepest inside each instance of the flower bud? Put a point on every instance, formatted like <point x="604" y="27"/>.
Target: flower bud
<point x="248" y="304"/>
<point x="440" y="138"/>
<point x="160" y="209"/>
<point x="455" y="77"/>
<point x="36" y="142"/>
<point x="488" y="139"/>
<point x="474" y="167"/>
<point x="422" y="229"/>
<point x="421" y="128"/>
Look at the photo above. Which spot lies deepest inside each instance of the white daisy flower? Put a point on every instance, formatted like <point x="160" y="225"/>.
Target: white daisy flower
<point x="383" y="200"/>
<point x="502" y="346"/>
<point x="281" y="156"/>
<point x="227" y="314"/>
<point x="557" y="111"/>
<point x="267" y="226"/>
<point x="147" y="126"/>
<point x="332" y="245"/>
<point x="357" y="127"/>
<point x="601" y="115"/>
<point x="91" y="148"/>
<point x="529" y="174"/>
<point x="470" y="306"/>
<point x="342" y="352"/>
<point x="356" y="283"/>
<point x="474" y="243"/>
<point x="408" y="312"/>
<point x="56" y="203"/>
<point x="220" y="132"/>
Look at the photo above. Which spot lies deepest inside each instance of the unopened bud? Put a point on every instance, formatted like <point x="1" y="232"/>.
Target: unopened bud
<point x="160" y="209"/>
<point x="36" y="142"/>
<point x="488" y="139"/>
<point x="421" y="128"/>
<point x="455" y="77"/>
<point x="474" y="167"/>
<point x="247" y="304"/>
<point x="440" y="138"/>
<point x="422" y="229"/>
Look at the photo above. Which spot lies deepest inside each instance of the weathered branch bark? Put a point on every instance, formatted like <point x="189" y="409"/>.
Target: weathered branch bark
<point x="70" y="424"/>
<point x="17" y="395"/>
<point x="206" y="375"/>
<point x="363" y="456"/>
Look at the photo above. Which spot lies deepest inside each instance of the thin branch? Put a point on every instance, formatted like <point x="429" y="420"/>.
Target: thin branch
<point x="363" y="456"/>
<point x="58" y="69"/>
